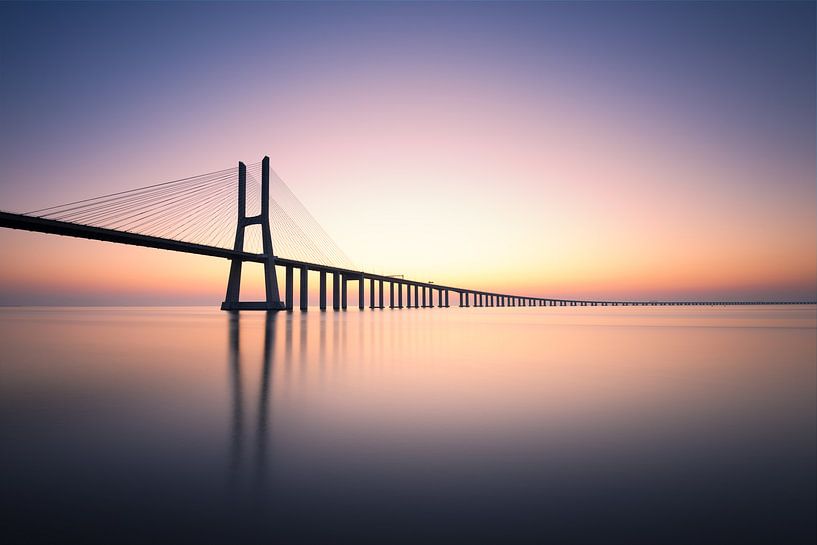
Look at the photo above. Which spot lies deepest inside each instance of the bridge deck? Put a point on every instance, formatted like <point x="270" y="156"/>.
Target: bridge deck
<point x="56" y="227"/>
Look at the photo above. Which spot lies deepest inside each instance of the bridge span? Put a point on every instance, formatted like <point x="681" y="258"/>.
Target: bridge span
<point x="402" y="293"/>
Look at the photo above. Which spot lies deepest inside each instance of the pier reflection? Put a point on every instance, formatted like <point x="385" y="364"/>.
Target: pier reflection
<point x="257" y="474"/>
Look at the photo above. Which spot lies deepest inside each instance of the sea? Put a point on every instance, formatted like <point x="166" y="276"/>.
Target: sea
<point x="586" y="425"/>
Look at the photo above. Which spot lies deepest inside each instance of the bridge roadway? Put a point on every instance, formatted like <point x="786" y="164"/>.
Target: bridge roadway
<point x="422" y="296"/>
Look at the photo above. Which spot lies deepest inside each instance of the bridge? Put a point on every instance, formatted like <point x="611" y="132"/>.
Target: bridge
<point x="201" y="215"/>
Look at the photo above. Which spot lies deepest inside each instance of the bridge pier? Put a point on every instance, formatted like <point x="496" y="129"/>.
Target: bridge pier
<point x="343" y="291"/>
<point x="361" y="293"/>
<point x="232" y="297"/>
<point x="446" y="298"/>
<point x="380" y="294"/>
<point x="323" y="290"/>
<point x="335" y="291"/>
<point x="399" y="295"/>
<point x="288" y="288"/>
<point x="304" y="297"/>
<point x="371" y="293"/>
<point x="391" y="294"/>
<point x="416" y="296"/>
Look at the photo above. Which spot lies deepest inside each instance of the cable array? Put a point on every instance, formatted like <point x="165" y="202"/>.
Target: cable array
<point x="203" y="209"/>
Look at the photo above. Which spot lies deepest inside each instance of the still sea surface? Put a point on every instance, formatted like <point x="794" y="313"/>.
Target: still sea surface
<point x="493" y="425"/>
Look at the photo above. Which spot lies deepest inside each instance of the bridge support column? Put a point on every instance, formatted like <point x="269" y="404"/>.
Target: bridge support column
<point x="343" y="292"/>
<point x="289" y="287"/>
<point x="380" y="293"/>
<point x="323" y="290"/>
<point x="371" y="293"/>
<point x="408" y="295"/>
<point x="391" y="294"/>
<point x="361" y="293"/>
<point x="335" y="291"/>
<point x="399" y="295"/>
<point x="446" y="299"/>
<point x="304" y="298"/>
<point x="232" y="298"/>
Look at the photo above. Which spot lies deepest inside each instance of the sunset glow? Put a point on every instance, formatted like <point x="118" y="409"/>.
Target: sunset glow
<point x="548" y="149"/>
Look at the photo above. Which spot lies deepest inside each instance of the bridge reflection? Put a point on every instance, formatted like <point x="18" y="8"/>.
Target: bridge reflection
<point x="250" y="432"/>
<point x="258" y="472"/>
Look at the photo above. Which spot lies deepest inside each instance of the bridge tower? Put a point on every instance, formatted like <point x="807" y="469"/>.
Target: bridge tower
<point x="231" y="300"/>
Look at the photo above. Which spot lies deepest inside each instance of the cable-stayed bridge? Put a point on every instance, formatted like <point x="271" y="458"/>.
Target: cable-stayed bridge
<point x="211" y="215"/>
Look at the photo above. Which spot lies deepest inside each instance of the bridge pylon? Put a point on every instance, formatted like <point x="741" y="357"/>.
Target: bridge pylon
<point x="232" y="299"/>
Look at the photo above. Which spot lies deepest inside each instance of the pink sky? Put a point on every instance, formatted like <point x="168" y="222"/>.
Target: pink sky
<point x="480" y="160"/>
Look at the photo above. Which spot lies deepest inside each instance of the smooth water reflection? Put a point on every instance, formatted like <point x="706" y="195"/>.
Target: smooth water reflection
<point x="602" y="425"/>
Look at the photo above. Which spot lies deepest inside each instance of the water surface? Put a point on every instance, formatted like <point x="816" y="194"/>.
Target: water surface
<point x="499" y="425"/>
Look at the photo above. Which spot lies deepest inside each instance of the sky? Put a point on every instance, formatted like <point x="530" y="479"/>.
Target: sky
<point x="617" y="150"/>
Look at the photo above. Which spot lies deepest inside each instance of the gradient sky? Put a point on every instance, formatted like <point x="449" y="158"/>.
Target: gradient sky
<point x="553" y="149"/>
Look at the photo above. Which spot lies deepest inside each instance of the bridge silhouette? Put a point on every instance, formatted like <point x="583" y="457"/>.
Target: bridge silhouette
<point x="201" y="215"/>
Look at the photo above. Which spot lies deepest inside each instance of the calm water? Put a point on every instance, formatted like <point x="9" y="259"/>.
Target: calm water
<point x="512" y="425"/>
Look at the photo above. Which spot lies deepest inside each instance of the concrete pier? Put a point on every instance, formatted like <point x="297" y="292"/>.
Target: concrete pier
<point x="322" y="301"/>
<point x="304" y="297"/>
<point x="336" y="291"/>
<point x="288" y="288"/>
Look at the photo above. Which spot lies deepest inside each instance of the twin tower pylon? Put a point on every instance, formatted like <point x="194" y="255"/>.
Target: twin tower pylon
<point x="231" y="300"/>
